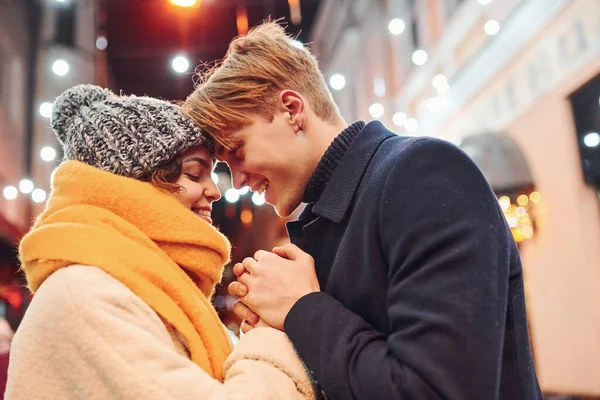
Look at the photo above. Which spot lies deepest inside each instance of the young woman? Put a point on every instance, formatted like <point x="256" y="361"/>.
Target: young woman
<point x="123" y="261"/>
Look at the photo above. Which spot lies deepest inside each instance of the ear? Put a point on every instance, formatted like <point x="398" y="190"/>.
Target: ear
<point x="293" y="104"/>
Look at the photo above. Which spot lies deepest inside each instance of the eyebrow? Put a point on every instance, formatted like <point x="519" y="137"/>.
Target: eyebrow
<point x="202" y="161"/>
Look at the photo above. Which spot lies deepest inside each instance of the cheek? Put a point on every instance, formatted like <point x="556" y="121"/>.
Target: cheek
<point x="188" y="195"/>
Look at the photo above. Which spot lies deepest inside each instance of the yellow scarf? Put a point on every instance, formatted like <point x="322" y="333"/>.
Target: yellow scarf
<point x="142" y="237"/>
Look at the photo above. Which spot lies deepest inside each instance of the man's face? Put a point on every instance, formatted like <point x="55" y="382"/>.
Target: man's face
<point x="270" y="157"/>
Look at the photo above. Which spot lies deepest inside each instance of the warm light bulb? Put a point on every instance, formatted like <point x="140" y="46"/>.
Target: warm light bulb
<point x="60" y="67"/>
<point x="10" y="192"/>
<point x="184" y="3"/>
<point x="376" y="110"/>
<point x="491" y="27"/>
<point x="48" y="153"/>
<point x="396" y="26"/>
<point x="258" y="199"/>
<point x="45" y="109"/>
<point x="232" y="195"/>
<point x="419" y="57"/>
<point x="592" y="139"/>
<point x="38" y="195"/>
<point x="337" y="81"/>
<point x="180" y="64"/>
<point x="26" y="186"/>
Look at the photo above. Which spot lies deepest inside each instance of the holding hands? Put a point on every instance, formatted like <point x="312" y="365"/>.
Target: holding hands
<point x="269" y="284"/>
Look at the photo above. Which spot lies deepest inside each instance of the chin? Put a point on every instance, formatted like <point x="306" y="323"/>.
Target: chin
<point x="286" y="209"/>
<point x="282" y="213"/>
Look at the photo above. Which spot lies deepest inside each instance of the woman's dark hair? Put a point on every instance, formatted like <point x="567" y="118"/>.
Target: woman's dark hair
<point x="166" y="176"/>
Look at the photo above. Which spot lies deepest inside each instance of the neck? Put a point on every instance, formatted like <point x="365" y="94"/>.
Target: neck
<point x="323" y="134"/>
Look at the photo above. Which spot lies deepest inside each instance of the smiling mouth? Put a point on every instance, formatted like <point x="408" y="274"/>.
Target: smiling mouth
<point x="204" y="214"/>
<point x="263" y="188"/>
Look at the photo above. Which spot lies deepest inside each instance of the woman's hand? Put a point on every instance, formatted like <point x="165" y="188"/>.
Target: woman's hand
<point x="245" y="327"/>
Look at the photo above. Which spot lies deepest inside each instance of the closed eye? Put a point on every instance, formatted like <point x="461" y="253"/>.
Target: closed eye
<point x="193" y="178"/>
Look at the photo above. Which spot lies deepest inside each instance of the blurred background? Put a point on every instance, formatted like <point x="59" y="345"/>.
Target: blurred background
<point x="515" y="83"/>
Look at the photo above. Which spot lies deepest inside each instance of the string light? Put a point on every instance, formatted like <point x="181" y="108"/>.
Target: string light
<point x="337" y="81"/>
<point x="47" y="153"/>
<point x="232" y="195"/>
<point x="246" y="217"/>
<point x="38" y="195"/>
<point x="26" y="186"/>
<point x="184" y="3"/>
<point x="396" y="26"/>
<point x="180" y="64"/>
<point x="60" y="67"/>
<point x="504" y="203"/>
<point x="10" y="192"/>
<point x="241" y="20"/>
<point x="376" y="110"/>
<point x="45" y="109"/>
<point x="258" y="199"/>
<point x="101" y="42"/>
<point x="440" y="83"/>
<point x="492" y="27"/>
<point x="419" y="57"/>
<point x="295" y="12"/>
<point x="592" y="139"/>
<point x="518" y="216"/>
<point x="523" y="200"/>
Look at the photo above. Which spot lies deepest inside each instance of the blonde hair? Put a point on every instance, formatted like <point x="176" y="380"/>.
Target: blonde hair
<point x="247" y="82"/>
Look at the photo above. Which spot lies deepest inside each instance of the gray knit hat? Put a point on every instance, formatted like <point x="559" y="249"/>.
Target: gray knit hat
<point x="125" y="135"/>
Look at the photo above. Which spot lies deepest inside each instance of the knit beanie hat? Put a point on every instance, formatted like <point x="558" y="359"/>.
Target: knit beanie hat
<point x="126" y="135"/>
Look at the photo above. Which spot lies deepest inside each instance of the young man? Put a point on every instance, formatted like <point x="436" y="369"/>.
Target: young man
<point x="418" y="289"/>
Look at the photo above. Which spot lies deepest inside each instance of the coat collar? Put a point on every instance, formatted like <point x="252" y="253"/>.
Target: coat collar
<point x="341" y="188"/>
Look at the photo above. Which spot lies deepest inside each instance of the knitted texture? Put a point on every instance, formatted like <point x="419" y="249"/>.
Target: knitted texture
<point x="330" y="161"/>
<point x="126" y="135"/>
<point x="144" y="238"/>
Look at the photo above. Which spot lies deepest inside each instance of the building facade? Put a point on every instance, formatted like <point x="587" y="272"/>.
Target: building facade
<point x="465" y="70"/>
<point x="45" y="47"/>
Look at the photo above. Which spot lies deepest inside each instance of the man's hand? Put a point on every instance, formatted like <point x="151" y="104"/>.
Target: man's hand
<point x="271" y="283"/>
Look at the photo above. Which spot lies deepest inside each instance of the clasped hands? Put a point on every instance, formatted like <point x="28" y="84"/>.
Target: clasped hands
<point x="269" y="284"/>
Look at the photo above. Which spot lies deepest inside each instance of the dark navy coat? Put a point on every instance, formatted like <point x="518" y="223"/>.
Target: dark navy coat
<point x="422" y="286"/>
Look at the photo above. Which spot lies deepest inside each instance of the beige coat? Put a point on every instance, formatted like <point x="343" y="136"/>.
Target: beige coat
<point x="87" y="336"/>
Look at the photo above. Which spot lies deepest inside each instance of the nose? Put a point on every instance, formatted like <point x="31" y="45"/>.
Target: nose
<point x="212" y="192"/>
<point x="239" y="179"/>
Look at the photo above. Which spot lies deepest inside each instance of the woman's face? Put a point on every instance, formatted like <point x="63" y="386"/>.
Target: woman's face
<point x="198" y="189"/>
